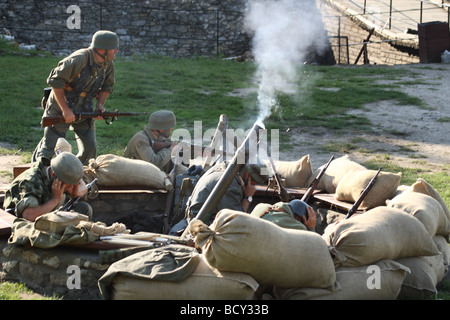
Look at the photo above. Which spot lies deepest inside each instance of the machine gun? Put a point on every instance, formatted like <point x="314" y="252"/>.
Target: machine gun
<point x="361" y="197"/>
<point x="69" y="204"/>
<point x="312" y="187"/>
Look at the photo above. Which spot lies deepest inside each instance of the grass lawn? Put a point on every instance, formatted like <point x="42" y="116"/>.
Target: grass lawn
<point x="200" y="89"/>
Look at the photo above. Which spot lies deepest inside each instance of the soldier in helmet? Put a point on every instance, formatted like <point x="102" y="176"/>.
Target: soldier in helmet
<point x="41" y="189"/>
<point x="238" y="196"/>
<point x="85" y="75"/>
<point x="295" y="214"/>
<point x="142" y="145"/>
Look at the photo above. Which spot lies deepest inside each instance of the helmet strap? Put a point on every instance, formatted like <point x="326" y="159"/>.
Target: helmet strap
<point x="104" y="56"/>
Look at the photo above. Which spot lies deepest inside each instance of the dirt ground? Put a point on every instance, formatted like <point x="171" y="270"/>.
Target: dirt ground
<point x="407" y="135"/>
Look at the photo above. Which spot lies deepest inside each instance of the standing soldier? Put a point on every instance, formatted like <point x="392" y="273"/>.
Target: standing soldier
<point x="78" y="79"/>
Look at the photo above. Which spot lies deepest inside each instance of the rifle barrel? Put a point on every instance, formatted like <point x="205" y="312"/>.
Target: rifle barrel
<point x="362" y="195"/>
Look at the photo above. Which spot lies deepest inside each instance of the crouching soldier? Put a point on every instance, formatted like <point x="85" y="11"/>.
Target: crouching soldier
<point x="295" y="214"/>
<point x="41" y="189"/>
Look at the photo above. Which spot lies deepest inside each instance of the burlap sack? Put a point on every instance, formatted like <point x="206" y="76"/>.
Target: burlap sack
<point x="112" y="170"/>
<point x="426" y="273"/>
<point x="444" y="248"/>
<point x="205" y="283"/>
<point x="380" y="233"/>
<point x="355" y="283"/>
<point x="295" y="173"/>
<point x="426" y="209"/>
<point x="57" y="221"/>
<point x="337" y="169"/>
<point x="424" y="187"/>
<point x="238" y="242"/>
<point x="354" y="182"/>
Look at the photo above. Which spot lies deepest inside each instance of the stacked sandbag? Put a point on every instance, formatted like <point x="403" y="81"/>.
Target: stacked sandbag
<point x="353" y="183"/>
<point x="238" y="242"/>
<point x="112" y="170"/>
<point x="426" y="209"/>
<point x="424" y="203"/>
<point x="295" y="173"/>
<point x="380" y="281"/>
<point x="426" y="273"/>
<point x="173" y="273"/>
<point x="444" y="249"/>
<point x="337" y="169"/>
<point x="380" y="233"/>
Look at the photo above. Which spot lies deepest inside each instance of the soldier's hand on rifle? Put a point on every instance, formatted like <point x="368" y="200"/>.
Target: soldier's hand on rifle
<point x="310" y="223"/>
<point x="68" y="115"/>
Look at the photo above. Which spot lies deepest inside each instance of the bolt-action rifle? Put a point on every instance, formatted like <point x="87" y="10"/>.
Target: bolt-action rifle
<point x="363" y="194"/>
<point x="312" y="187"/>
<point x="69" y="204"/>
<point x="194" y="150"/>
<point x="108" y="116"/>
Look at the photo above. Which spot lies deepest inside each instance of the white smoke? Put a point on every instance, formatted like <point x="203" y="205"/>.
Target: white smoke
<point x="283" y="32"/>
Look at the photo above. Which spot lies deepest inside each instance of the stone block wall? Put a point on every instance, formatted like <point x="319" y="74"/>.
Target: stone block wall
<point x="175" y="28"/>
<point x="379" y="51"/>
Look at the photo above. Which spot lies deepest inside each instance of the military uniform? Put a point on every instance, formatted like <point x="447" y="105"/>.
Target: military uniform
<point x="280" y="213"/>
<point x="33" y="188"/>
<point x="231" y="199"/>
<point x="140" y="147"/>
<point x="82" y="78"/>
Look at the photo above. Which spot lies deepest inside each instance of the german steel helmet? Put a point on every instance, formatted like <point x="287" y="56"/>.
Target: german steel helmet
<point x="256" y="172"/>
<point x="298" y="207"/>
<point x="67" y="167"/>
<point x="105" y="39"/>
<point x="162" y="120"/>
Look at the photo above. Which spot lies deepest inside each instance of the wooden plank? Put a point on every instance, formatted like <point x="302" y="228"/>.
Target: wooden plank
<point x="330" y="200"/>
<point x="6" y="221"/>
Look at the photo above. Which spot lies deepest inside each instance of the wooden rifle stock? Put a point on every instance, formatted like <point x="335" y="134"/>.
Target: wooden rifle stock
<point x="312" y="187"/>
<point x="362" y="195"/>
<point x="113" y="115"/>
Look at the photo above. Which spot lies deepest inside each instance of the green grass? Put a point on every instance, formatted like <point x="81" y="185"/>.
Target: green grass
<point x="18" y="291"/>
<point x="200" y="89"/>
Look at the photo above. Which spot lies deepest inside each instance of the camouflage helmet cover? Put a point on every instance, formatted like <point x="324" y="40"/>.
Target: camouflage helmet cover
<point x="68" y="168"/>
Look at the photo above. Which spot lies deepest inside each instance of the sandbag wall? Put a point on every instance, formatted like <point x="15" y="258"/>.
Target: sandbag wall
<point x="397" y="248"/>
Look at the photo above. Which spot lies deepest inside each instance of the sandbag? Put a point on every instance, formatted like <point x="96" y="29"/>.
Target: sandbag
<point x="444" y="249"/>
<point x="295" y="173"/>
<point x="355" y="283"/>
<point x="354" y="182"/>
<point x="205" y="283"/>
<point x="57" y="221"/>
<point x="337" y="169"/>
<point x="112" y="170"/>
<point x="380" y="233"/>
<point x="426" y="273"/>
<point x="424" y="187"/>
<point x="238" y="242"/>
<point x="426" y="209"/>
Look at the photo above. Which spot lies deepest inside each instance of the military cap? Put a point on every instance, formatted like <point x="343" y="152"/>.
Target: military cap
<point x="105" y="39"/>
<point x="67" y="167"/>
<point x="162" y="120"/>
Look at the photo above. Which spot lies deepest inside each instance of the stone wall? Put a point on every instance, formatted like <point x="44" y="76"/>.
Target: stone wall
<point x="379" y="51"/>
<point x="175" y="28"/>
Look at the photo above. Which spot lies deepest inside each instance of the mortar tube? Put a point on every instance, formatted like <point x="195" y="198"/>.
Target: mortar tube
<point x="225" y="181"/>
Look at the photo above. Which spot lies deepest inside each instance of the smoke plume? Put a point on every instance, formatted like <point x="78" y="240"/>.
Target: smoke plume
<point x="283" y="33"/>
